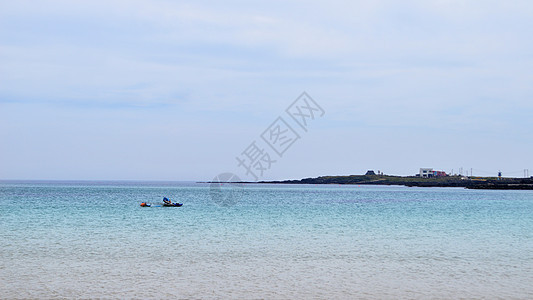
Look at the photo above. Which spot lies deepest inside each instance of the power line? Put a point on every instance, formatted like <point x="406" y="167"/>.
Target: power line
<point x="486" y="172"/>
<point x="513" y="172"/>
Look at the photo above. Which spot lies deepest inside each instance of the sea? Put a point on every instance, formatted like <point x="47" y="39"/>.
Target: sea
<point x="81" y="239"/>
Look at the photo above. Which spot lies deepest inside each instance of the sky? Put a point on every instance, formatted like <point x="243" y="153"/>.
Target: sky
<point x="178" y="90"/>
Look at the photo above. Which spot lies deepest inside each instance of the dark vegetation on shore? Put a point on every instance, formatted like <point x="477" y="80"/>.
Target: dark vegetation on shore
<point x="446" y="181"/>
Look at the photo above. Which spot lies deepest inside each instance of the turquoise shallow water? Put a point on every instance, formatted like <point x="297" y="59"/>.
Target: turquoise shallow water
<point x="92" y="239"/>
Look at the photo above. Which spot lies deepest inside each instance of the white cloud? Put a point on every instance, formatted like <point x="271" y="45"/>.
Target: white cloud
<point x="381" y="64"/>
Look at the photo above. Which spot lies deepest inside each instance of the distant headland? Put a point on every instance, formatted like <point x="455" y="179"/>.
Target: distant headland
<point x="423" y="179"/>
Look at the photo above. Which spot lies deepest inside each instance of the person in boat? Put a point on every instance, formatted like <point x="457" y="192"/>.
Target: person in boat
<point x="166" y="201"/>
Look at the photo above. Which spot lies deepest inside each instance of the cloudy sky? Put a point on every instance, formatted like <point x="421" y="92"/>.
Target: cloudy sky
<point x="176" y="90"/>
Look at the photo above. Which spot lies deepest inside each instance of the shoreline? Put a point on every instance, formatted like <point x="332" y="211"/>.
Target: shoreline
<point x="491" y="183"/>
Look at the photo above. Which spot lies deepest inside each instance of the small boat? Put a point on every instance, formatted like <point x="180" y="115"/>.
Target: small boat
<point x="168" y="203"/>
<point x="144" y="204"/>
<point x="172" y="204"/>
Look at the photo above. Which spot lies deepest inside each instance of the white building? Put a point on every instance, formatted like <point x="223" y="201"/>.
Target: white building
<point x="426" y="172"/>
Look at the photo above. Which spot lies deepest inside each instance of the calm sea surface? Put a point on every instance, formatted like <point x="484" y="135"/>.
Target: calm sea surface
<point x="92" y="239"/>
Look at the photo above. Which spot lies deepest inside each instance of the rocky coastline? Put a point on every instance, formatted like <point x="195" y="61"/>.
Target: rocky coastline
<point x="493" y="183"/>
